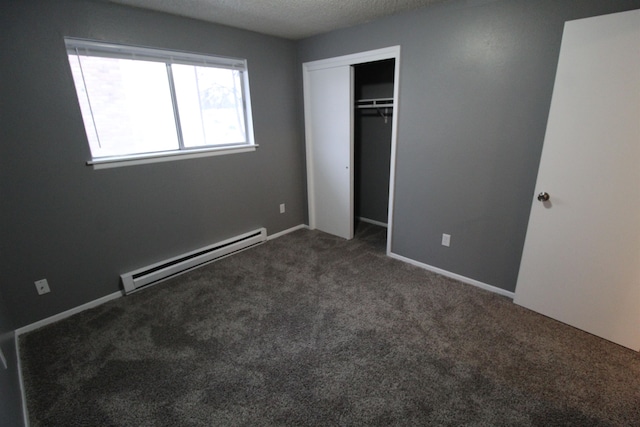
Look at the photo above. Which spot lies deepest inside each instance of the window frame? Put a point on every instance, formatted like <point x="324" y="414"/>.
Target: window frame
<point x="76" y="46"/>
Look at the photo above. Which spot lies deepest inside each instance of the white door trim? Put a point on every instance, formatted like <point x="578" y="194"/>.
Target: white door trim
<point x="392" y="52"/>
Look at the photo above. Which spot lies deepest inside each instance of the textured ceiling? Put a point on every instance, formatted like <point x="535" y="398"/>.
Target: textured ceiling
<point x="292" y="19"/>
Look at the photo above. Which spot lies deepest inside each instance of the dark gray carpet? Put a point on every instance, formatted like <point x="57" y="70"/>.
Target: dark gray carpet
<point x="309" y="329"/>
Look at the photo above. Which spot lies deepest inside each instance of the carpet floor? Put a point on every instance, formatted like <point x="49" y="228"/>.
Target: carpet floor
<point x="312" y="330"/>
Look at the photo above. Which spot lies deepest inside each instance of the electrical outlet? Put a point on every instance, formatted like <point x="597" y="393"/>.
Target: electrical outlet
<point x="446" y="240"/>
<point x="42" y="286"/>
<point x="282" y="209"/>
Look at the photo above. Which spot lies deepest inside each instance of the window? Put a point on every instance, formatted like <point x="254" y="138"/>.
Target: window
<point x="141" y="104"/>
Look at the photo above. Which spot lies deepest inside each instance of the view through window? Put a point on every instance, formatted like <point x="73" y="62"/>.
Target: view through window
<point x="139" y="101"/>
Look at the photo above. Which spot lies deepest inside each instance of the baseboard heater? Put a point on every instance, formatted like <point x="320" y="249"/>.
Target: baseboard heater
<point x="134" y="280"/>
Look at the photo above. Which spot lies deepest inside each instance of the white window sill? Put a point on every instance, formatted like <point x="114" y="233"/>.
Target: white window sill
<point x="141" y="159"/>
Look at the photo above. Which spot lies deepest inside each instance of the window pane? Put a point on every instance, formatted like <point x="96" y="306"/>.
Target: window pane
<point x="126" y="105"/>
<point x="209" y="105"/>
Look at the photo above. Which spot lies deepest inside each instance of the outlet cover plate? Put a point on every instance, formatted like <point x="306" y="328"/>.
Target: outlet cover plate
<point x="42" y="286"/>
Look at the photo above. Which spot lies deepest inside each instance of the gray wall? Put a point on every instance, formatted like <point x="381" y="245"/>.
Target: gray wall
<point x="81" y="228"/>
<point x="476" y="79"/>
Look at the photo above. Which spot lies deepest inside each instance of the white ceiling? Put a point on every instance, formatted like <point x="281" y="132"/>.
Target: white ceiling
<point x="292" y="19"/>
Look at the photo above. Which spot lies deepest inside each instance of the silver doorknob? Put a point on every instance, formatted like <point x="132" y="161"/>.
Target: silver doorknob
<point x="543" y="197"/>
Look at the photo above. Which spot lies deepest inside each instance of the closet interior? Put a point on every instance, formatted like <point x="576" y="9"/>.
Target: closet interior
<point x="374" y="108"/>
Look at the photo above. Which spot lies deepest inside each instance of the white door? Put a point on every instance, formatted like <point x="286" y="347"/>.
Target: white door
<point x="329" y="118"/>
<point x="581" y="259"/>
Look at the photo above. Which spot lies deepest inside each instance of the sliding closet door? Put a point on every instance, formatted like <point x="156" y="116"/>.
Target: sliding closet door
<point x="328" y="121"/>
<point x="328" y="113"/>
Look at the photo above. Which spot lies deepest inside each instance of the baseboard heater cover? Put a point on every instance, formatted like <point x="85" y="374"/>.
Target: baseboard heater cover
<point x="134" y="280"/>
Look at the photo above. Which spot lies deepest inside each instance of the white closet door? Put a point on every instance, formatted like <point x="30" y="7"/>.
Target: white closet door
<point x="581" y="259"/>
<point x="328" y="119"/>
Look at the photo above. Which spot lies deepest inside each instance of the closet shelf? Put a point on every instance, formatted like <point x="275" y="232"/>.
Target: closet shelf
<point x="378" y="104"/>
<point x="375" y="103"/>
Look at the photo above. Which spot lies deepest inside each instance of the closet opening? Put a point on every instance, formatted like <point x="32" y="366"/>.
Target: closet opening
<point x="373" y="126"/>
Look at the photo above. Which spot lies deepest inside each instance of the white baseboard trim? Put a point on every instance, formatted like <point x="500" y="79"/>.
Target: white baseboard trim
<point x="68" y="313"/>
<point x="3" y="359"/>
<point x="287" y="231"/>
<point x="372" y="221"/>
<point x="455" y="276"/>
<point x="25" y="411"/>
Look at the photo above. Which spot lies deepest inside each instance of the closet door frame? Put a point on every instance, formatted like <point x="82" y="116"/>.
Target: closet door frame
<point x="348" y="61"/>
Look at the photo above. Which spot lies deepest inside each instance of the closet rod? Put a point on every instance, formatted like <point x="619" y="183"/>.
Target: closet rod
<point x="375" y="103"/>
